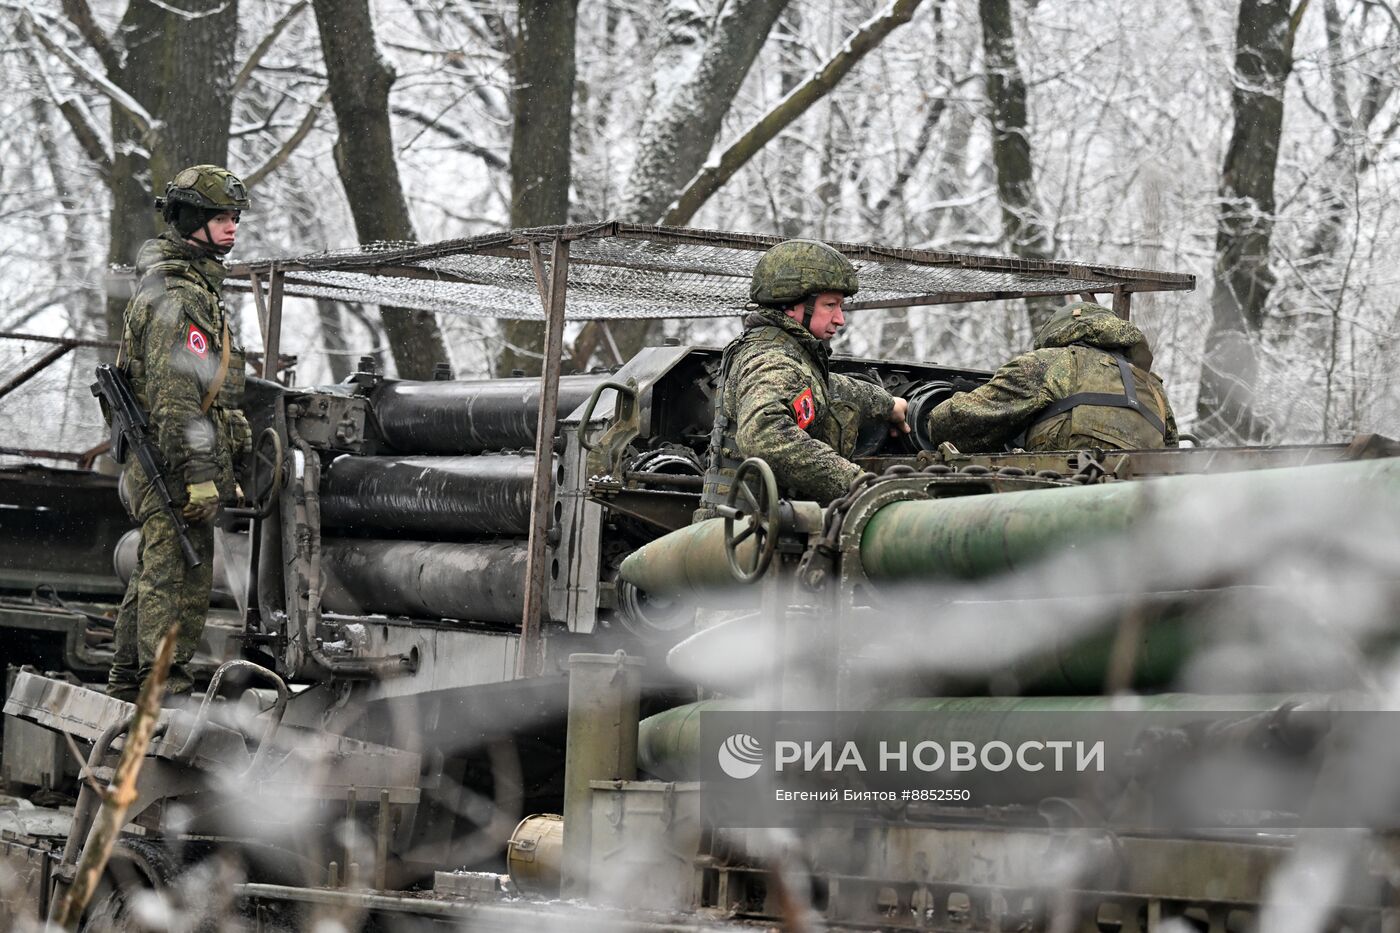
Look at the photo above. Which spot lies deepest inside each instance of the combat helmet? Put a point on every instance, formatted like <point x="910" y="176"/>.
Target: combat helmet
<point x="1095" y="325"/>
<point x="794" y="269"/>
<point x="1074" y="317"/>
<point x="197" y="194"/>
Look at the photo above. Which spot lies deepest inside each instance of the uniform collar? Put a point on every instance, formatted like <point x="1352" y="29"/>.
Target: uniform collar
<point x="772" y="317"/>
<point x="169" y="245"/>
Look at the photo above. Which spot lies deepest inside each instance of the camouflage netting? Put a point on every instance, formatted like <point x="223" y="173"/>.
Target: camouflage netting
<point x="615" y="271"/>
<point x="629" y="271"/>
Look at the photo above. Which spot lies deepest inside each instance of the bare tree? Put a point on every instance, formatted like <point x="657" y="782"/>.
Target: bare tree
<point x="714" y="174"/>
<point x="360" y="81"/>
<point x="698" y="72"/>
<point x="789" y="193"/>
<point x="688" y="127"/>
<point x="1226" y="409"/>
<point x="1021" y="224"/>
<point x="1352" y="120"/>
<point x="934" y="107"/>
<point x="1124" y="97"/>
<point x="1319" y="303"/>
<point x="685" y="117"/>
<point x="169" y="77"/>
<point x="540" y="147"/>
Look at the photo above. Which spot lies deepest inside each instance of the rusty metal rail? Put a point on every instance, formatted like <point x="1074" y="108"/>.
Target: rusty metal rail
<point x="59" y="348"/>
<point x="62" y="346"/>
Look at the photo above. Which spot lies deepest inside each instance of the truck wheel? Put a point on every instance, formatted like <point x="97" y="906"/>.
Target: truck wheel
<point x="136" y="866"/>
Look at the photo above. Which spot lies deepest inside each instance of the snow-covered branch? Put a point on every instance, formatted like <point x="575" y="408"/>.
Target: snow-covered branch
<point x="84" y="128"/>
<point x="452" y="131"/>
<point x="189" y="15"/>
<point x="119" y="98"/>
<point x="76" y="114"/>
<point x="265" y="44"/>
<point x="80" y="15"/>
<point x="716" y="172"/>
<point x="284" y="152"/>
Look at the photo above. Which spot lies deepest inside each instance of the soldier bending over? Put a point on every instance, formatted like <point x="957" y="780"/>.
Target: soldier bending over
<point x="1087" y="384"/>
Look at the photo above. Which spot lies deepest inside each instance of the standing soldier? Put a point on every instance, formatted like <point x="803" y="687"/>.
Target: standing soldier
<point x="187" y="373"/>
<point x="1088" y="383"/>
<point x="777" y="398"/>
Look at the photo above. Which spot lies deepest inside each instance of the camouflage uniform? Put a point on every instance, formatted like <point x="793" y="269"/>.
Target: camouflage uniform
<point x="783" y="404"/>
<point x="172" y="345"/>
<point x="778" y="399"/>
<point x="1087" y="384"/>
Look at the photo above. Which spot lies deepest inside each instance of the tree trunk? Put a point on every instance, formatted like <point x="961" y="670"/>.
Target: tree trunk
<point x="540" y="146"/>
<point x="596" y="192"/>
<point x="360" y="81"/>
<point x="1348" y="158"/>
<point x="693" y="92"/>
<point x="796" y="102"/>
<point x="1021" y="223"/>
<point x="679" y="133"/>
<point x="1225" y="409"/>
<point x="332" y="326"/>
<point x="190" y="93"/>
<point x="790" y="199"/>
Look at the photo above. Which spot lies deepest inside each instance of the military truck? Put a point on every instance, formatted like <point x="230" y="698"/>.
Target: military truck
<point x="455" y="603"/>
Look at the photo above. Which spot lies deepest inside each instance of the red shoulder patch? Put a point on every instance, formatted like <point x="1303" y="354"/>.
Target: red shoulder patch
<point x="804" y="408"/>
<point x="197" y="342"/>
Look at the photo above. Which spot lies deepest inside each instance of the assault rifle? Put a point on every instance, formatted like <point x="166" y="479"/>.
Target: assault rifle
<point x="131" y="435"/>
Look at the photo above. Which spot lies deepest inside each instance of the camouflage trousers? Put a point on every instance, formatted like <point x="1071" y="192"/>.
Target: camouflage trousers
<point x="162" y="591"/>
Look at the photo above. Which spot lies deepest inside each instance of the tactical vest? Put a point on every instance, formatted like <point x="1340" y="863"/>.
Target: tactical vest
<point x="722" y="464"/>
<point x="1115" y="419"/>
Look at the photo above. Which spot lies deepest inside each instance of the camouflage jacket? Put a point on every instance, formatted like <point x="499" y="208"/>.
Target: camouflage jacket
<point x="1073" y="357"/>
<point x="172" y="342"/>
<point x="781" y="402"/>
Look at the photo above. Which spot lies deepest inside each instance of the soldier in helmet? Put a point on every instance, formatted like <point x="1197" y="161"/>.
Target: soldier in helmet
<point x="777" y="398"/>
<point x="1088" y="383"/>
<point x="187" y="373"/>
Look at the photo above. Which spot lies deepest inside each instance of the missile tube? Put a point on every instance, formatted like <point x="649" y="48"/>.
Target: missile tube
<point x="480" y="582"/>
<point x="469" y="416"/>
<point x="968" y="537"/>
<point x="429" y="497"/>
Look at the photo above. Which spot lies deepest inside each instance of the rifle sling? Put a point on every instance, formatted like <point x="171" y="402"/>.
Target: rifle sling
<point x="219" y="376"/>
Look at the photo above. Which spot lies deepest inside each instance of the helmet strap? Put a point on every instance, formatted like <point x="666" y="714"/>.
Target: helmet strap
<point x="809" y="305"/>
<point x="208" y="241"/>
